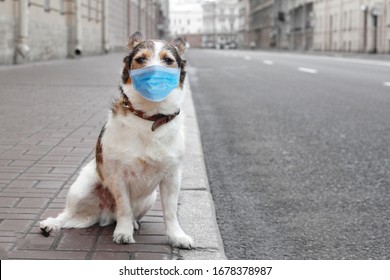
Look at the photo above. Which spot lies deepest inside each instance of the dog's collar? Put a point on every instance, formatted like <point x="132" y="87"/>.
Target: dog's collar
<point x="157" y="119"/>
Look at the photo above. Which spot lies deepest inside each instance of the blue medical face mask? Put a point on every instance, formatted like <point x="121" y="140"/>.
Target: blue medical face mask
<point x="155" y="83"/>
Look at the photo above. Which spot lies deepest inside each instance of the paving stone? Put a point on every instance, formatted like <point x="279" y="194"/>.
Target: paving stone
<point x="152" y="229"/>
<point x="5" y="162"/>
<point x="8" y="201"/>
<point x="44" y="177"/>
<point x="63" y="170"/>
<point x="111" y="256"/>
<point x="49" y="184"/>
<point x="152" y="219"/>
<point x="105" y="243"/>
<point x="22" y="163"/>
<point x="15" y="225"/>
<point x="151" y="256"/>
<point x="8" y="175"/>
<point x="22" y="184"/>
<point x="150" y="239"/>
<point x="27" y="193"/>
<point x="39" y="170"/>
<point x="7" y="216"/>
<point x="73" y="240"/>
<point x="47" y="255"/>
<point x="16" y="210"/>
<point x="35" y="242"/>
<point x="37" y="202"/>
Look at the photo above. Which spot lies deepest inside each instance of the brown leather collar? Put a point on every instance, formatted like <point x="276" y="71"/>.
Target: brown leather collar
<point x="158" y="119"/>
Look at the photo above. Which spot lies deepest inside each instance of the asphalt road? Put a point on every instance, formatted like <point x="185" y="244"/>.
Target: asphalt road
<point x="297" y="152"/>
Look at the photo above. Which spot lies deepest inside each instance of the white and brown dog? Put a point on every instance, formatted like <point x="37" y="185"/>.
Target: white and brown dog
<point x="139" y="149"/>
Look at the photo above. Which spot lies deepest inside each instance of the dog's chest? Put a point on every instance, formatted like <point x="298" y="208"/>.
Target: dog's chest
<point x="142" y="159"/>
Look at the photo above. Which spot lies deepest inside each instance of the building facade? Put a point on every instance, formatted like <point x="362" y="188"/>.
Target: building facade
<point x="300" y="16"/>
<point x="186" y="20"/>
<point x="243" y="34"/>
<point x="222" y="23"/>
<point x="33" y="30"/>
<point x="352" y="26"/>
<point x="261" y="22"/>
<point x="321" y="25"/>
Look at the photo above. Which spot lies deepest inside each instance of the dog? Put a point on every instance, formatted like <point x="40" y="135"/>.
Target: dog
<point x="138" y="151"/>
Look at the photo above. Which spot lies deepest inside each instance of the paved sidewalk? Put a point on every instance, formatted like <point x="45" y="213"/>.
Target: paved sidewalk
<point x="51" y="114"/>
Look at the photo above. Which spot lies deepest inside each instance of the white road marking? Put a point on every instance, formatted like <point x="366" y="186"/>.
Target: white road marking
<point x="247" y="57"/>
<point x="268" y="62"/>
<point x="308" y="70"/>
<point x="386" y="84"/>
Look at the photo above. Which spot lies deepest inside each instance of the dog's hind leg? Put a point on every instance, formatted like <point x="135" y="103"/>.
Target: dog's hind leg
<point x="82" y="205"/>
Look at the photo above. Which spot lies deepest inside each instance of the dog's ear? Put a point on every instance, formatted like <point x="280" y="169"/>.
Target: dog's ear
<point x="134" y="40"/>
<point x="180" y="45"/>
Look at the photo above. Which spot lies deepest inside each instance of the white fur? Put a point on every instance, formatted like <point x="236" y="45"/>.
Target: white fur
<point x="136" y="160"/>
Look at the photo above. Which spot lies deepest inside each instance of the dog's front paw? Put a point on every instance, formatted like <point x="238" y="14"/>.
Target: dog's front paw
<point x="123" y="238"/>
<point x="181" y="241"/>
<point x="48" y="226"/>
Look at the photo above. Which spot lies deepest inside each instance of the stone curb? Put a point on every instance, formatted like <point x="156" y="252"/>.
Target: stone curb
<point x="196" y="207"/>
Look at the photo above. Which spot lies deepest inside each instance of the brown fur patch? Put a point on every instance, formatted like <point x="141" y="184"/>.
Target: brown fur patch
<point x="166" y="54"/>
<point x="145" y="46"/>
<point x="120" y="105"/>
<point x="125" y="71"/>
<point x="144" y="54"/>
<point x="107" y="200"/>
<point x="181" y="63"/>
<point x="99" y="154"/>
<point x="182" y="74"/>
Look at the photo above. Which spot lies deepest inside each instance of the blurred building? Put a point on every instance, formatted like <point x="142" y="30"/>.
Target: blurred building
<point x="243" y="34"/>
<point x="210" y="26"/>
<point x="222" y="23"/>
<point x="261" y="23"/>
<point x="186" y="20"/>
<point x="129" y="16"/>
<point x="300" y="16"/>
<point x="278" y="23"/>
<point x="33" y="30"/>
<point x="352" y="26"/>
<point x="323" y="25"/>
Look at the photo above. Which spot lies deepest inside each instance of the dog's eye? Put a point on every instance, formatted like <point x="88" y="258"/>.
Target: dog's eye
<point x="168" y="60"/>
<point x="140" y="60"/>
